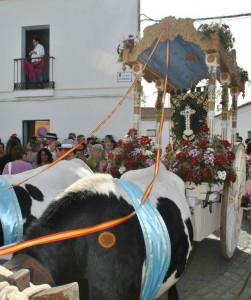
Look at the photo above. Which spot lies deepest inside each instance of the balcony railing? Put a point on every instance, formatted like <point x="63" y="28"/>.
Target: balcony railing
<point x="33" y="73"/>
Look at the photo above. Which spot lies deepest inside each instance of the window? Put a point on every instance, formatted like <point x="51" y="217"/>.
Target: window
<point x="151" y="132"/>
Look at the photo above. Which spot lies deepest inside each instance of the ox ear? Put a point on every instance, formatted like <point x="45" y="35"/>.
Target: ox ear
<point x="34" y="192"/>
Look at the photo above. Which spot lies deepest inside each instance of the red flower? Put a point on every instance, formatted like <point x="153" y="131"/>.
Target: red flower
<point x="142" y="158"/>
<point x="204" y="129"/>
<point x="231" y="176"/>
<point x="225" y="143"/>
<point x="168" y="147"/>
<point x="202" y="144"/>
<point x="184" y="170"/>
<point x="219" y="160"/>
<point x="230" y="155"/>
<point x="185" y="142"/>
<point x="119" y="158"/>
<point x="119" y="143"/>
<point x="194" y="160"/>
<point x="180" y="156"/>
<point x="191" y="177"/>
<point x="206" y="173"/>
<point x="128" y="146"/>
<point x="129" y="163"/>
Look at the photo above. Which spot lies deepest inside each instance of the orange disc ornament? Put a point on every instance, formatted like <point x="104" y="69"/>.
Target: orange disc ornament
<point x="106" y="239"/>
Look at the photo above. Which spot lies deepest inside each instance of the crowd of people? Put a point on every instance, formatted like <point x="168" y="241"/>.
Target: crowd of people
<point x="16" y="158"/>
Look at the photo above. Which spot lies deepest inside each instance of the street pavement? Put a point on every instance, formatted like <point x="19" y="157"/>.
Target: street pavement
<point x="212" y="277"/>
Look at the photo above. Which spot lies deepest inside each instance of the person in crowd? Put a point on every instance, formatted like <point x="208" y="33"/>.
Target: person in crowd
<point x="64" y="147"/>
<point x="97" y="159"/>
<point x="31" y="151"/>
<point x="109" y="143"/>
<point x="81" y="139"/>
<point x="18" y="165"/>
<point x="1" y="149"/>
<point x="72" y="136"/>
<point x="239" y="139"/>
<point x="80" y="153"/>
<point x="246" y="143"/>
<point x="15" y="137"/>
<point x="40" y="143"/>
<point x="93" y="140"/>
<point x="12" y="142"/>
<point x="44" y="157"/>
<point x="51" y="139"/>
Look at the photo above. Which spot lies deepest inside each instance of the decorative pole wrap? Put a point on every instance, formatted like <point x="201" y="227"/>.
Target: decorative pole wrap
<point x="159" y="84"/>
<point x="225" y="81"/>
<point x="137" y="96"/>
<point x="234" y="93"/>
<point x="212" y="64"/>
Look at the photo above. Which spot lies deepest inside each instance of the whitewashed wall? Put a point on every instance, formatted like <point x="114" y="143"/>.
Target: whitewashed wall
<point x="84" y="36"/>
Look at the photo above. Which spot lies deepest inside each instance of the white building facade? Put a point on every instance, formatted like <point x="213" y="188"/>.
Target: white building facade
<point x="81" y="83"/>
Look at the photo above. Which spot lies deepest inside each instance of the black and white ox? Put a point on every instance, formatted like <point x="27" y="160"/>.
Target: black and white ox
<point x="113" y="269"/>
<point x="34" y="195"/>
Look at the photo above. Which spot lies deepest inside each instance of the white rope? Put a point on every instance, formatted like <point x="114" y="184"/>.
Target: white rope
<point x="3" y="284"/>
<point x="10" y="292"/>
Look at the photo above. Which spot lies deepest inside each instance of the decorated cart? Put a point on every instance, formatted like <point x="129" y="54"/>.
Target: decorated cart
<point x="180" y="58"/>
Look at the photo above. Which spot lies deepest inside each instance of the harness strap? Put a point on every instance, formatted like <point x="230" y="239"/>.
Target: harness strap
<point x="157" y="241"/>
<point x="10" y="214"/>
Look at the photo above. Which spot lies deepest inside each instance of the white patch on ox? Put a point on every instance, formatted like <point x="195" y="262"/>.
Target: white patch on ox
<point x="52" y="181"/>
<point x="166" y="185"/>
<point x="98" y="184"/>
<point x="166" y="285"/>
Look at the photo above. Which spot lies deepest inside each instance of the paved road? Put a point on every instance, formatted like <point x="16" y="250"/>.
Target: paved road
<point x="210" y="276"/>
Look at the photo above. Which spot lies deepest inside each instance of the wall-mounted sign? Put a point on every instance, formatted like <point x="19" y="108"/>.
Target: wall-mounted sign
<point x="42" y="127"/>
<point x="124" y="76"/>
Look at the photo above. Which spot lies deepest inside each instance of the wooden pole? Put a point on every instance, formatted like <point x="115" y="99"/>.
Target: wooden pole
<point x="234" y="93"/>
<point x="159" y="84"/>
<point x="212" y="64"/>
<point x="225" y="81"/>
<point x="137" y="97"/>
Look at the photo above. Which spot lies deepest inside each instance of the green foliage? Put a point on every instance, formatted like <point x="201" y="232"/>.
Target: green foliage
<point x="223" y="32"/>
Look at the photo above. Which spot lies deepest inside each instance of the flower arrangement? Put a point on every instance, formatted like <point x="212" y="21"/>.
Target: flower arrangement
<point x="222" y="30"/>
<point x="244" y="79"/>
<point x="202" y="160"/>
<point x="128" y="43"/>
<point x="131" y="153"/>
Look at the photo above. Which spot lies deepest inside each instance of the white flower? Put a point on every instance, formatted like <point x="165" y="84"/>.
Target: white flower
<point x="148" y="153"/>
<point x="122" y="169"/>
<point x="221" y="175"/>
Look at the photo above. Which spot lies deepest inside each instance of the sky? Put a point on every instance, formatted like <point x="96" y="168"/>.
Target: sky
<point x="240" y="27"/>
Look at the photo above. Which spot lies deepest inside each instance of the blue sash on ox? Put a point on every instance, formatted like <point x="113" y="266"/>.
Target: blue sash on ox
<point x="10" y="214"/>
<point x="157" y="241"/>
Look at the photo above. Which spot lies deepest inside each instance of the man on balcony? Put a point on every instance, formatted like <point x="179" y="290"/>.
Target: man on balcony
<point x="35" y="70"/>
<point x="37" y="52"/>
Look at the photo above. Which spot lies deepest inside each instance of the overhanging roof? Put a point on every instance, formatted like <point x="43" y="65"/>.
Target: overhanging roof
<point x="188" y="48"/>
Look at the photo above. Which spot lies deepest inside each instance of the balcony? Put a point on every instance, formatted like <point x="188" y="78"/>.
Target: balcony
<point x="30" y="74"/>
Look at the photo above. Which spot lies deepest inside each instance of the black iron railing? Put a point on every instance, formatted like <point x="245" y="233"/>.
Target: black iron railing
<point x="33" y="73"/>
